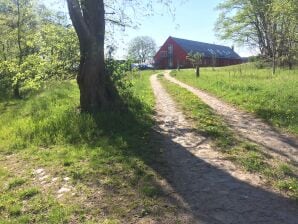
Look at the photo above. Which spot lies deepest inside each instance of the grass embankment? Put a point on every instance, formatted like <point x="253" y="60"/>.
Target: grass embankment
<point x="246" y="154"/>
<point x="272" y="97"/>
<point x="61" y="166"/>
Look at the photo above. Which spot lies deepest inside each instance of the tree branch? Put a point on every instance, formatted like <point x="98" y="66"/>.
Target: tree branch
<point x="78" y="19"/>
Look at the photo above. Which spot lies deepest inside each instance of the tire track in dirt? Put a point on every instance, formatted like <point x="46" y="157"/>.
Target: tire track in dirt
<point x="213" y="188"/>
<point x="279" y="145"/>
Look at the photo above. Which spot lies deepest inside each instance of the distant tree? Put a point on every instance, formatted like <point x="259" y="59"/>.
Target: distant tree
<point x="110" y="51"/>
<point x="196" y="59"/>
<point x="142" y="49"/>
<point x="270" y="25"/>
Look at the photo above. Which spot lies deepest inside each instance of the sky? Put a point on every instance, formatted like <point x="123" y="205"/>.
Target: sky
<point x="193" y="20"/>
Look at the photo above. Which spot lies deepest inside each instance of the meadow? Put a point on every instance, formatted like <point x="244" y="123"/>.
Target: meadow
<point x="105" y="160"/>
<point x="271" y="97"/>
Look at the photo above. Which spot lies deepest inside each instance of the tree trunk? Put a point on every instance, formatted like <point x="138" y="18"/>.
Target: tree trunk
<point x="16" y="91"/>
<point x="273" y="64"/>
<point x="96" y="89"/>
<point x="16" y="88"/>
<point x="197" y="71"/>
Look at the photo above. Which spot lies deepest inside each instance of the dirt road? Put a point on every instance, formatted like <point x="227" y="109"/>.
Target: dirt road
<point x="212" y="188"/>
<point x="276" y="144"/>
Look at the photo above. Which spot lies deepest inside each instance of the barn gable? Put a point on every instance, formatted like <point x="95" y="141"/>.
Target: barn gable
<point x="207" y="49"/>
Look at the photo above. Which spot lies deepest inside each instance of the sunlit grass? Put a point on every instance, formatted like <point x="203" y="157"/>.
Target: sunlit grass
<point x="271" y="97"/>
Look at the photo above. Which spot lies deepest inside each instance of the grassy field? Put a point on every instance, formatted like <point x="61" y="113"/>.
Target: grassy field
<point x="61" y="166"/>
<point x="248" y="155"/>
<point x="271" y="97"/>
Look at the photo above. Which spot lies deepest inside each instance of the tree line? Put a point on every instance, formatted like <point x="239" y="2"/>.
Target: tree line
<point x="37" y="44"/>
<point x="269" y="25"/>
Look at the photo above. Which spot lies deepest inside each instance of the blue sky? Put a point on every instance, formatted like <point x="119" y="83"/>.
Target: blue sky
<point x="194" y="20"/>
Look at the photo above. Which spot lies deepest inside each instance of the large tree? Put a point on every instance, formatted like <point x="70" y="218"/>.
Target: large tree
<point x="89" y="19"/>
<point x="142" y="49"/>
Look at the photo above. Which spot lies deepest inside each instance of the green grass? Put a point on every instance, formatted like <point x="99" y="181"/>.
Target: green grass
<point x="16" y="182"/>
<point x="28" y="193"/>
<point x="242" y="152"/>
<point x="108" y="158"/>
<point x="273" y="98"/>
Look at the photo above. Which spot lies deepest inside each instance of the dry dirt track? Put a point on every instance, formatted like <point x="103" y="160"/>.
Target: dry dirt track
<point x="212" y="188"/>
<point x="276" y="144"/>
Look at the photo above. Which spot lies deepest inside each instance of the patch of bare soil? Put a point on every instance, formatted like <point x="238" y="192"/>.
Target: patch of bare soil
<point x="279" y="145"/>
<point x="38" y="177"/>
<point x="211" y="187"/>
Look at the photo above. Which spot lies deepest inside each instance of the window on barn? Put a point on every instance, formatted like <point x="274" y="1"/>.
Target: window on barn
<point x="163" y="54"/>
<point x="170" y="55"/>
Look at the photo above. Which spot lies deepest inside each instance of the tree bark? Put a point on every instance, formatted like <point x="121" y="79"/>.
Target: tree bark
<point x="16" y="88"/>
<point x="197" y="71"/>
<point x="273" y="65"/>
<point x="96" y="88"/>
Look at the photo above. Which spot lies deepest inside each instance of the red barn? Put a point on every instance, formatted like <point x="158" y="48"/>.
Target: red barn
<point x="174" y="51"/>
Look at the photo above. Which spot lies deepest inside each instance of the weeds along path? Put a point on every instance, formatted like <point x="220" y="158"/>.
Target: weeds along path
<point x="277" y="144"/>
<point x="213" y="188"/>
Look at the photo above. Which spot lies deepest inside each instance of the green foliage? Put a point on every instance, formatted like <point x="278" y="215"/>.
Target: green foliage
<point x="31" y="73"/>
<point x="120" y="73"/>
<point x="8" y="69"/>
<point x="35" y="46"/>
<point x="60" y="49"/>
<point x="270" y="25"/>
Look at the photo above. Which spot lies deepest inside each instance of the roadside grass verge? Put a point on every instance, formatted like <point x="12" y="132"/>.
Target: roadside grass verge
<point x="280" y="175"/>
<point x="271" y="97"/>
<point x="105" y="161"/>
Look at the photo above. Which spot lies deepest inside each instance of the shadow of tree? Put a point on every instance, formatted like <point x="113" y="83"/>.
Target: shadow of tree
<point x="213" y="195"/>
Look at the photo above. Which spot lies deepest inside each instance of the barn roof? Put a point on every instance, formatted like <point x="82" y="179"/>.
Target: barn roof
<point x="207" y="49"/>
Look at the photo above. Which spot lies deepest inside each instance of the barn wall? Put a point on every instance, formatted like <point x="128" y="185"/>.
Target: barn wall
<point x="179" y="57"/>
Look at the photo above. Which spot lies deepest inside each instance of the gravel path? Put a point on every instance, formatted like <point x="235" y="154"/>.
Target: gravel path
<point x="212" y="188"/>
<point x="276" y="144"/>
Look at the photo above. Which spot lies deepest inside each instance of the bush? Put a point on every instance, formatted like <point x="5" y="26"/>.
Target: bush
<point x="8" y="69"/>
